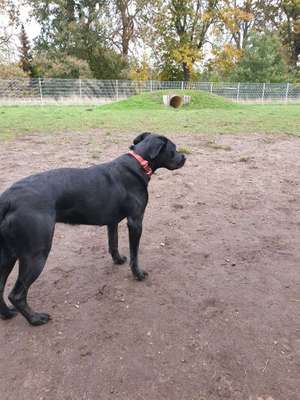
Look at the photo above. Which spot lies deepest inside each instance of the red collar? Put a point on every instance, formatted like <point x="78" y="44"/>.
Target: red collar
<point x="143" y="163"/>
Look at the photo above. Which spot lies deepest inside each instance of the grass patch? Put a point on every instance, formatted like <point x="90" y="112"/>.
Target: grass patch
<point x="184" y="150"/>
<point x="245" y="159"/>
<point x="154" y="101"/>
<point x="216" y="146"/>
<point x="206" y="114"/>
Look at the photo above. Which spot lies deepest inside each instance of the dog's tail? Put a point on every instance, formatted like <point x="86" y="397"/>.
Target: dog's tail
<point x="4" y="251"/>
<point x="4" y="207"/>
<point x="7" y="261"/>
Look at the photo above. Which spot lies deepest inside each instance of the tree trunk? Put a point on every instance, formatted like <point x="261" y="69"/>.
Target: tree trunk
<point x="186" y="72"/>
<point x="127" y="26"/>
<point x="296" y="48"/>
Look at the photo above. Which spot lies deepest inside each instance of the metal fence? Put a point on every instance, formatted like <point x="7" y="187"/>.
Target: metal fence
<point x="41" y="91"/>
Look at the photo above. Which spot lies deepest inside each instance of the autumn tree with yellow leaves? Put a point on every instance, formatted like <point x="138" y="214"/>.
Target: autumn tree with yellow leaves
<point x="180" y="31"/>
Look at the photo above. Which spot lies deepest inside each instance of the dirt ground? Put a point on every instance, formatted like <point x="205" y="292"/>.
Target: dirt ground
<point x="218" y="317"/>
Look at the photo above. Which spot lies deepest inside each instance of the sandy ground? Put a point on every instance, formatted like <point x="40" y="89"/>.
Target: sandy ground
<point x="218" y="317"/>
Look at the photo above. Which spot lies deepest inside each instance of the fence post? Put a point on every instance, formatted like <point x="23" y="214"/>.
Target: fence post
<point x="151" y="85"/>
<point x="238" y="93"/>
<point x="117" y="90"/>
<point x="287" y="92"/>
<point x="263" y="92"/>
<point x="211" y="87"/>
<point x="41" y="90"/>
<point x="80" y="89"/>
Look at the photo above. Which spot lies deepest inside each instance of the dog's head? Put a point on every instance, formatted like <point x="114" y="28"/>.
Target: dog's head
<point x="158" y="150"/>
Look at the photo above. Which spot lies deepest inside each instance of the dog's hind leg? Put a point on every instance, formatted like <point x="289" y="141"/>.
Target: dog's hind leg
<point x="30" y="267"/>
<point x="112" y="231"/>
<point x="34" y="233"/>
<point x="5" y="269"/>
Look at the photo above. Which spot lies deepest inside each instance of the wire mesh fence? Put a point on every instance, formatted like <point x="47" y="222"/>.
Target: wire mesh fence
<point x="42" y="91"/>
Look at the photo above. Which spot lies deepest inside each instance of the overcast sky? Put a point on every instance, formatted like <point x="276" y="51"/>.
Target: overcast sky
<point x="31" y="27"/>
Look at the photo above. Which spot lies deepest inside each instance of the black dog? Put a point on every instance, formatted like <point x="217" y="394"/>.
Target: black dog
<point x="101" y="195"/>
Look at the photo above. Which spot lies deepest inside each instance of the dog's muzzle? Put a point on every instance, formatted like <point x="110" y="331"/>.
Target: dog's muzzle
<point x="182" y="162"/>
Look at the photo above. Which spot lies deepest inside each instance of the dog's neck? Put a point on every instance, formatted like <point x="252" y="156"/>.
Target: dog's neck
<point x="143" y="163"/>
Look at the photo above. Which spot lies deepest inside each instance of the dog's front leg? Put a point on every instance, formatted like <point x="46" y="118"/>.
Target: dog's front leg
<point x="112" y="231"/>
<point x="135" y="232"/>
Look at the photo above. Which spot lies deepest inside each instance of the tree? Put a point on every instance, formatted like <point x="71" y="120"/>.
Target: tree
<point x="290" y="28"/>
<point x="140" y="71"/>
<point x="262" y="61"/>
<point x="181" y="30"/>
<point x="283" y="17"/>
<point x="25" y="54"/>
<point x="9" y="14"/>
<point x="125" y="23"/>
<point x="107" y="64"/>
<point x="224" y="61"/>
<point x="237" y="19"/>
<point x="11" y="70"/>
<point x="67" y="67"/>
<point x="70" y="27"/>
<point x="235" y="22"/>
<point x="83" y="29"/>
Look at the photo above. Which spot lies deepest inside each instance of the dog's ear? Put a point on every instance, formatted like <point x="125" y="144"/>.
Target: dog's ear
<point x="139" y="139"/>
<point x="157" y="145"/>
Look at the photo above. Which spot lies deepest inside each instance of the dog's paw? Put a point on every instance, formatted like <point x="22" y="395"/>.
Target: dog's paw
<point x="39" y="319"/>
<point x="8" y="313"/>
<point x="141" y="275"/>
<point x="120" y="260"/>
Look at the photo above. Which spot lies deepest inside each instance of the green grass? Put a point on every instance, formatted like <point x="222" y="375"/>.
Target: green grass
<point x="206" y="114"/>
<point x="184" y="150"/>
<point x="154" y="101"/>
